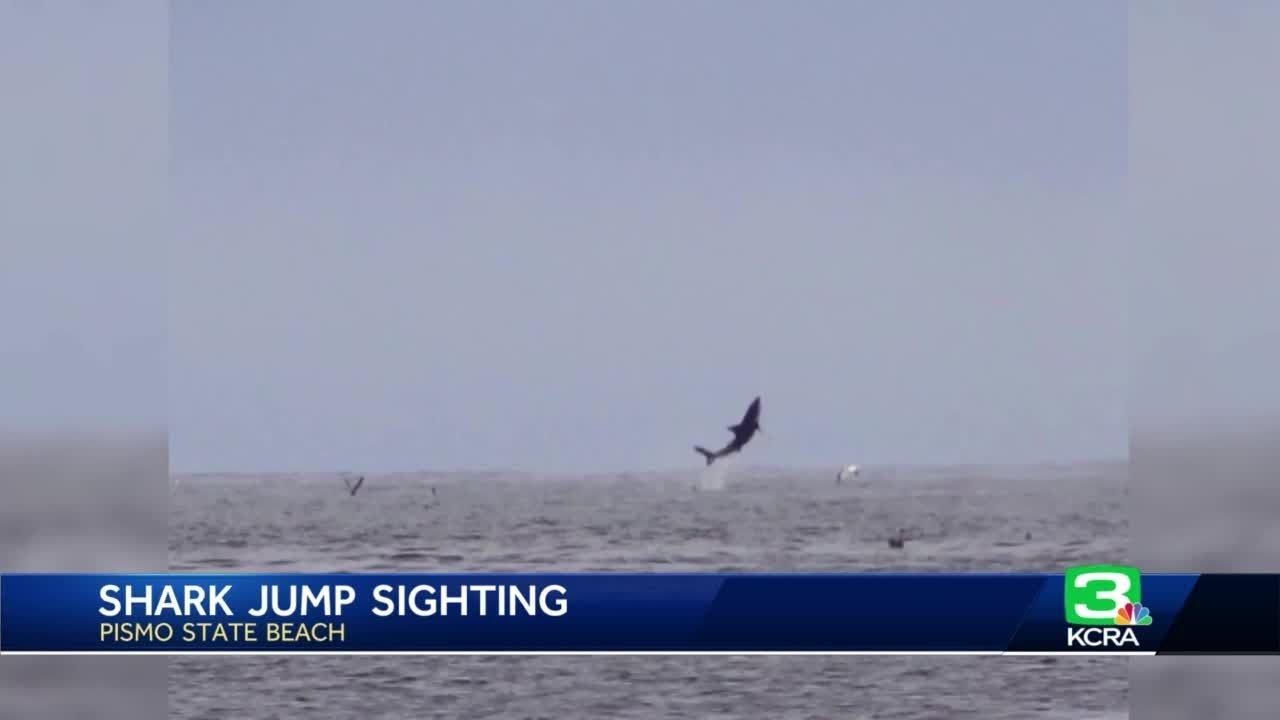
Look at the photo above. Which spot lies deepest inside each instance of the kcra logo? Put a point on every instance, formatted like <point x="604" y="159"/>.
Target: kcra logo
<point x="1106" y="602"/>
<point x="1101" y="637"/>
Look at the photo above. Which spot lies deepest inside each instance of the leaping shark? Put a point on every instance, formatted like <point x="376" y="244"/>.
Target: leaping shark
<point x="353" y="489"/>
<point x="742" y="434"/>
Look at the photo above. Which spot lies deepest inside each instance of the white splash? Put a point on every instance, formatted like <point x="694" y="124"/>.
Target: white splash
<point x="715" y="475"/>
<point x="850" y="471"/>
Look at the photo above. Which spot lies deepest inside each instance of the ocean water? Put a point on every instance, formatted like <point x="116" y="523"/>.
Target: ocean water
<point x="83" y="503"/>
<point x="1205" y="499"/>
<point x="965" y="519"/>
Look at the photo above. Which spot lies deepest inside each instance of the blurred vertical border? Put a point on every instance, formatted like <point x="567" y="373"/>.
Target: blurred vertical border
<point x="83" y="367"/>
<point x="1205" y="400"/>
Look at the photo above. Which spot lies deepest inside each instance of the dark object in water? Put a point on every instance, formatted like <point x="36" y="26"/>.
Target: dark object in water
<point x="742" y="434"/>
<point x="900" y="540"/>
<point x="353" y="488"/>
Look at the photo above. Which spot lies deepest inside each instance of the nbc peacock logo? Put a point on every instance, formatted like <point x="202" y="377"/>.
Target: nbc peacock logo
<point x="1133" y="614"/>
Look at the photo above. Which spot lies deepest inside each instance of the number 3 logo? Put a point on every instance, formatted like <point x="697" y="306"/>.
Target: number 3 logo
<point x="1096" y="593"/>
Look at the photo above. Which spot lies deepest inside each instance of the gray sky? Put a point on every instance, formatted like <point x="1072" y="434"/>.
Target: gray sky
<point x="1205" y="168"/>
<point x="83" y="153"/>
<point x="577" y="235"/>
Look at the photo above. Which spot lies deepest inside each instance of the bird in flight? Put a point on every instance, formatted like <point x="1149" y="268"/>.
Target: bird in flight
<point x="742" y="434"/>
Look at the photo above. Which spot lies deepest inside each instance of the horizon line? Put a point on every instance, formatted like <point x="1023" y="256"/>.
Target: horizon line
<point x="1097" y="460"/>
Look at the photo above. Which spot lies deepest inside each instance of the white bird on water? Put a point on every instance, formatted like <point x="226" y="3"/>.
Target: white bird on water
<point x="846" y="472"/>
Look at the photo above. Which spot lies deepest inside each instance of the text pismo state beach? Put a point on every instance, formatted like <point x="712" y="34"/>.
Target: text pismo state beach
<point x="322" y="604"/>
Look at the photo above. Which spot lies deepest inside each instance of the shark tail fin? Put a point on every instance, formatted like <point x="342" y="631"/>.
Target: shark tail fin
<point x="710" y="456"/>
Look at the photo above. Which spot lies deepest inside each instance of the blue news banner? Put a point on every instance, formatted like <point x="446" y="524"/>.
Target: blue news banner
<point x="1095" y="609"/>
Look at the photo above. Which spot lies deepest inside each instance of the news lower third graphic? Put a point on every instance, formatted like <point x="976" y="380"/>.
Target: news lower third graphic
<point x="1096" y="609"/>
